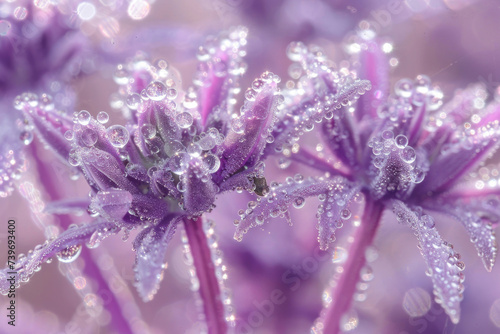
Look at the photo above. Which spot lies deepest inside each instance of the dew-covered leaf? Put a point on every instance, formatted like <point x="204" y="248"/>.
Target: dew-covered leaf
<point x="475" y="221"/>
<point x="444" y="265"/>
<point x="102" y="170"/>
<point x="276" y="202"/>
<point x="459" y="158"/>
<point x="65" y="244"/>
<point x="150" y="246"/>
<point x="334" y="211"/>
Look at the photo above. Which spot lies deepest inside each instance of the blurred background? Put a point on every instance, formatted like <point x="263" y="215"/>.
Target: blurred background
<point x="455" y="42"/>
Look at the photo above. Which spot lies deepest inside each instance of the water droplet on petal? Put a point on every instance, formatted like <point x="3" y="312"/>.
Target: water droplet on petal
<point x="102" y="117"/>
<point x="69" y="254"/>
<point x="156" y="91"/>
<point x="117" y="135"/>
<point x="408" y="154"/>
<point x="184" y="120"/>
<point x="299" y="202"/>
<point x="401" y="141"/>
<point x="84" y="117"/>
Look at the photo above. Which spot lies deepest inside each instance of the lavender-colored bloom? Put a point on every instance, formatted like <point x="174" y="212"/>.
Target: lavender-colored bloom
<point x="179" y="150"/>
<point x="40" y="51"/>
<point x="404" y="152"/>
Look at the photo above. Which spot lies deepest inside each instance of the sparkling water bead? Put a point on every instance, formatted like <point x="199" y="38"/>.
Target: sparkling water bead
<point x="102" y="117"/>
<point x="156" y="91"/>
<point x="84" y="117"/>
<point x="401" y="141"/>
<point x="184" y="120"/>
<point x="117" y="135"/>
<point x="69" y="254"/>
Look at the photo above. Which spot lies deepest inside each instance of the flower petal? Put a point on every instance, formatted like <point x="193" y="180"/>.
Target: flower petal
<point x="442" y="261"/>
<point x="276" y="202"/>
<point x="70" y="239"/>
<point x="150" y="246"/>
<point x="200" y="191"/>
<point x="245" y="141"/>
<point x="219" y="69"/>
<point x="334" y="212"/>
<point x="478" y="228"/>
<point x="459" y="158"/>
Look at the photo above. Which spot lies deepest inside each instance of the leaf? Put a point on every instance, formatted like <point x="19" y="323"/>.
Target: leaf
<point x="334" y="212"/>
<point x="27" y="266"/>
<point x="277" y="201"/>
<point x="150" y="246"/>
<point x="458" y="159"/>
<point x="442" y="261"/>
<point x="477" y="226"/>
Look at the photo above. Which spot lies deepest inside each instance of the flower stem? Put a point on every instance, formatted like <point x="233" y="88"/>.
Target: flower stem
<point x="54" y="191"/>
<point x="345" y="288"/>
<point x="205" y="270"/>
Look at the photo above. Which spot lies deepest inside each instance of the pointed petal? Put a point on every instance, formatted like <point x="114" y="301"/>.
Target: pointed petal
<point x="112" y="204"/>
<point x="334" y="212"/>
<point x="221" y="65"/>
<point x="49" y="124"/>
<point x="245" y="141"/>
<point x="442" y="261"/>
<point x="102" y="170"/>
<point x="478" y="228"/>
<point x="69" y="241"/>
<point x="245" y="180"/>
<point x="301" y="116"/>
<point x="447" y="169"/>
<point x="374" y="68"/>
<point x="200" y="191"/>
<point x="277" y="201"/>
<point x="150" y="246"/>
<point x="342" y="138"/>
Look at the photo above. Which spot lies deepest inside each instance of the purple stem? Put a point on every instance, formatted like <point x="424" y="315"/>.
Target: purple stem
<point x="346" y="285"/>
<point x="118" y="321"/>
<point x="205" y="270"/>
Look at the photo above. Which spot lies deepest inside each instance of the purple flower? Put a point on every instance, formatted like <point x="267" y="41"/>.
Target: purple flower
<point x="404" y="152"/>
<point x="41" y="50"/>
<point x="179" y="150"/>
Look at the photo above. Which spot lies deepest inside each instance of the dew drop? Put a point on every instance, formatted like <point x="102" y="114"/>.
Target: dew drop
<point x="211" y="162"/>
<point x="84" y="117"/>
<point x="299" y="202"/>
<point x="89" y="137"/>
<point x="345" y="214"/>
<point x="401" y="141"/>
<point x="133" y="101"/>
<point x="69" y="254"/>
<point x="156" y="91"/>
<point x="194" y="150"/>
<point x="117" y="135"/>
<point x="184" y="120"/>
<point x="148" y="131"/>
<point x="102" y="117"/>
<point x="408" y="154"/>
